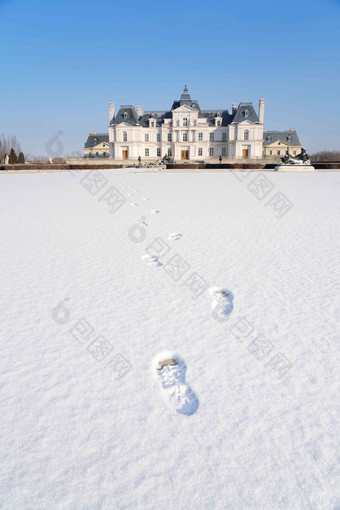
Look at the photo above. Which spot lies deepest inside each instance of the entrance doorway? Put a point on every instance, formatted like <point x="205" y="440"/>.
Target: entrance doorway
<point x="245" y="153"/>
<point x="184" y="154"/>
<point x="125" y="153"/>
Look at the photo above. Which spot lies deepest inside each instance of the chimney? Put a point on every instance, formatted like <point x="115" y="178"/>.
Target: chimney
<point x="261" y="110"/>
<point x="139" y="111"/>
<point x="234" y="107"/>
<point x="111" y="110"/>
<point x="292" y="130"/>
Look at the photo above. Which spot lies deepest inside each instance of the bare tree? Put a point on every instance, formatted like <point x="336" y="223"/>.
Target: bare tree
<point x="326" y="156"/>
<point x="6" y="144"/>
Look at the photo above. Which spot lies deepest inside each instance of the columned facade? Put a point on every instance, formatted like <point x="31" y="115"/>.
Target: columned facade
<point x="186" y="133"/>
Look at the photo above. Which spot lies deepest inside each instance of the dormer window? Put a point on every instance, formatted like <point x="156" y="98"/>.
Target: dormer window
<point x="218" y="123"/>
<point x="125" y="115"/>
<point x="245" y="113"/>
<point x="246" y="135"/>
<point x="288" y="138"/>
<point x="124" y="136"/>
<point x="185" y="121"/>
<point x="152" y="124"/>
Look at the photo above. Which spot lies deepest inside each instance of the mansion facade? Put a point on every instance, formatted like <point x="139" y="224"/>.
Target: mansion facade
<point x="184" y="133"/>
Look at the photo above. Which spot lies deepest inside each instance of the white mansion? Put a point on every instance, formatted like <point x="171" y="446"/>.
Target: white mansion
<point x="188" y="133"/>
<point x="185" y="133"/>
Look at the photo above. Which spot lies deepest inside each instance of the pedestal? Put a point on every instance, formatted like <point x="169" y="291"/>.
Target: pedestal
<point x="294" y="168"/>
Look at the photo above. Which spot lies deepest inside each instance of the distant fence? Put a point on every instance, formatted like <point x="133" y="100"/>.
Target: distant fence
<point x="173" y="166"/>
<point x="49" y="166"/>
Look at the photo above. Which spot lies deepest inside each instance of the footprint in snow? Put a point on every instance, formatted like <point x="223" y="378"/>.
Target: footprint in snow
<point x="145" y="198"/>
<point x="135" y="205"/>
<point x="155" y="211"/>
<point x="131" y="194"/>
<point x="170" y="370"/>
<point x="152" y="260"/>
<point x="222" y="304"/>
<point x="174" y="237"/>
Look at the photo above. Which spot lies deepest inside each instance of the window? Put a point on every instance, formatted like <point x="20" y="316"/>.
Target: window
<point x="185" y="137"/>
<point x="158" y="152"/>
<point x="212" y="137"/>
<point x="158" y="137"/>
<point x="278" y="153"/>
<point x="147" y="152"/>
<point x="294" y="153"/>
<point x="169" y="137"/>
<point x="218" y="123"/>
<point x="169" y="152"/>
<point x="177" y="122"/>
<point x="211" y="151"/>
<point x="185" y="121"/>
<point x="246" y="135"/>
<point x="200" y="151"/>
<point x="270" y="153"/>
<point x="146" y="138"/>
<point x="224" y="137"/>
<point x="224" y="151"/>
<point x="200" y="137"/>
<point x="195" y="122"/>
<point x="152" y="124"/>
<point x="124" y="136"/>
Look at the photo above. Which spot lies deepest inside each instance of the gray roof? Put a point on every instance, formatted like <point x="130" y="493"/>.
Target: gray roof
<point x="125" y="114"/>
<point x="245" y="111"/>
<point x="95" y="139"/>
<point x="128" y="113"/>
<point x="289" y="137"/>
<point x="157" y="116"/>
<point x="185" y="99"/>
<point x="212" y="114"/>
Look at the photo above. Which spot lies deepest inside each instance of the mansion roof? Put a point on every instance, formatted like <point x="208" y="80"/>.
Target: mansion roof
<point x="95" y="138"/>
<point x="290" y="137"/>
<point x="128" y="114"/>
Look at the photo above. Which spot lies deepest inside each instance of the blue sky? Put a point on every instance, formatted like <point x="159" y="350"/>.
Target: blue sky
<point x="62" y="62"/>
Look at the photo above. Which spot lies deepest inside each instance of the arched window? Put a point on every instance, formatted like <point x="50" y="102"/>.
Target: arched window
<point x="124" y="136"/>
<point x="246" y="135"/>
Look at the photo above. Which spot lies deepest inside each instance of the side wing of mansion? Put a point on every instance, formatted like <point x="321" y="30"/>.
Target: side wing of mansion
<point x="183" y="133"/>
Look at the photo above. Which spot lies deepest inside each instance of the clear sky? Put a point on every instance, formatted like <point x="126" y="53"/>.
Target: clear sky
<point x="62" y="62"/>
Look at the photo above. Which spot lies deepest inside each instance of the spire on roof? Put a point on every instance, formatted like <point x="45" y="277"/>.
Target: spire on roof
<point x="185" y="96"/>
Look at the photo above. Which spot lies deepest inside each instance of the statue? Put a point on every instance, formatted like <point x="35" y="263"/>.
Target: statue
<point x="300" y="159"/>
<point x="6" y="159"/>
<point x="167" y="160"/>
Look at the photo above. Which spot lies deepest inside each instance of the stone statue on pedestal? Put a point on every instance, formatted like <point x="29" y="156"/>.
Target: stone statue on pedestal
<point x="300" y="159"/>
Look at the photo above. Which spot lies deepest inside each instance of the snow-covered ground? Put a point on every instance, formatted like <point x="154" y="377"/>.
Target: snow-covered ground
<point x="235" y="273"/>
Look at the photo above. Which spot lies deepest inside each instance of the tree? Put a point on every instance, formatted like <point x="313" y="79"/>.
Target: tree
<point x="6" y="143"/>
<point x="12" y="157"/>
<point x="21" y="158"/>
